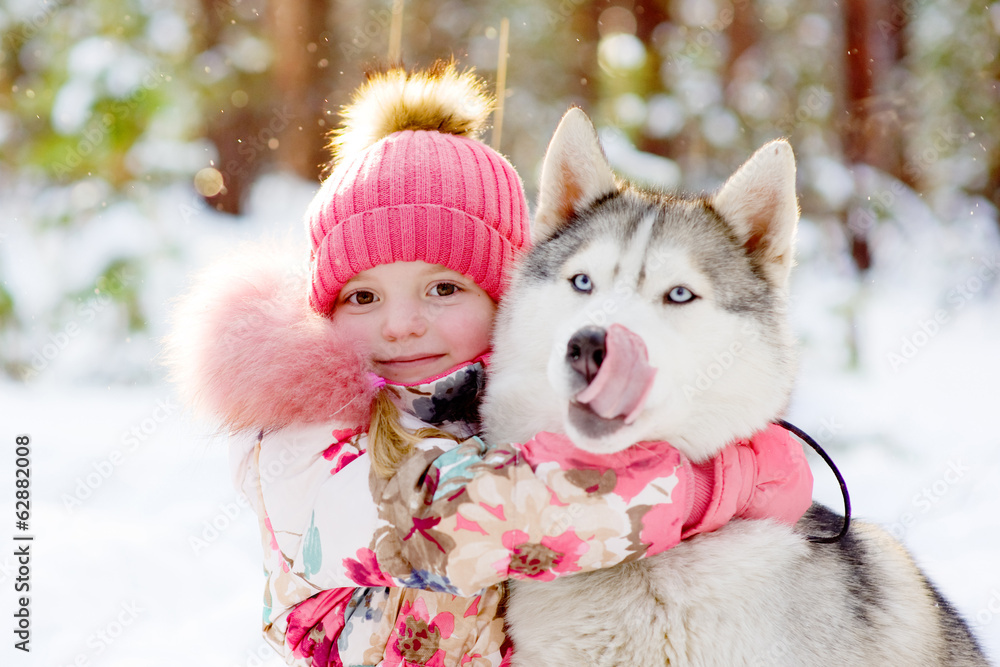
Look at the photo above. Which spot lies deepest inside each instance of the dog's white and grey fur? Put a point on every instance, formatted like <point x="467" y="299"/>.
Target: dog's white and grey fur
<point x="753" y="592"/>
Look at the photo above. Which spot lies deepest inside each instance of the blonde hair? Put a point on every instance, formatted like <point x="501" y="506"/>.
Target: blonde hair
<point x="389" y="442"/>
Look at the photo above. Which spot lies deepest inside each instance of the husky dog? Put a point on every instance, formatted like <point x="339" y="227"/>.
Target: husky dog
<point x="704" y="283"/>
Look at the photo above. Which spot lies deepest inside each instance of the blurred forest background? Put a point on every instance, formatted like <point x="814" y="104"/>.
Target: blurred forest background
<point x="127" y="126"/>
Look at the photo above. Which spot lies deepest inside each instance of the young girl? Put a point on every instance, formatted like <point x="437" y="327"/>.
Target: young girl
<point x="387" y="527"/>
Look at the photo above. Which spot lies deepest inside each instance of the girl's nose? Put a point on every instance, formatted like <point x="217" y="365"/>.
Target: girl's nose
<point x="402" y="319"/>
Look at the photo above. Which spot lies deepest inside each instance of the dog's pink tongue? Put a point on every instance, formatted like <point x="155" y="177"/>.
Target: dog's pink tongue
<point x="624" y="380"/>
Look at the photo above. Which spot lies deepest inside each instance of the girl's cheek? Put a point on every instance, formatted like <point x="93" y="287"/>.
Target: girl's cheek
<point x="355" y="332"/>
<point x="479" y="327"/>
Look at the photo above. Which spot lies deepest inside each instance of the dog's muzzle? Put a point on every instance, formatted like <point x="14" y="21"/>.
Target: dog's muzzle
<point x="613" y="365"/>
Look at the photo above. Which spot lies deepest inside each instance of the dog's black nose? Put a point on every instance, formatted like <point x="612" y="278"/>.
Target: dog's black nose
<point x="585" y="351"/>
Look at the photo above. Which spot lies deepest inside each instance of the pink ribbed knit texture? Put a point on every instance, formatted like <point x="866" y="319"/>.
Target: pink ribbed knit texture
<point x="418" y="195"/>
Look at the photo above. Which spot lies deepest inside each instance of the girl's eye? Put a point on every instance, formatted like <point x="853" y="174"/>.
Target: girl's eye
<point x="444" y="289"/>
<point x="581" y="283"/>
<point x="362" y="298"/>
<point x="680" y="294"/>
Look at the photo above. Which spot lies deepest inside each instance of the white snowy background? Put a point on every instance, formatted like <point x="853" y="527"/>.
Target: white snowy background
<point x="143" y="554"/>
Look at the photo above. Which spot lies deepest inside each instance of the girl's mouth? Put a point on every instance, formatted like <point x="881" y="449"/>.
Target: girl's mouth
<point x="408" y="363"/>
<point x="409" y="359"/>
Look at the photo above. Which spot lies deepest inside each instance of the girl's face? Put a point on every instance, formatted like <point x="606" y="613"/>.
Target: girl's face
<point x="420" y="319"/>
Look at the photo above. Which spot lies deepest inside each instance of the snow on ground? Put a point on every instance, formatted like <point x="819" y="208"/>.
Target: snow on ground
<point x="143" y="555"/>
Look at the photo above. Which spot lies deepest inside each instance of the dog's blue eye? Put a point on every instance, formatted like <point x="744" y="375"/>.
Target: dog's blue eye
<point x="581" y="283"/>
<point x="680" y="294"/>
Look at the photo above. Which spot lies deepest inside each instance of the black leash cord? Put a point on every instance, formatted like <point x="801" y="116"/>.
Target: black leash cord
<point x="843" y="485"/>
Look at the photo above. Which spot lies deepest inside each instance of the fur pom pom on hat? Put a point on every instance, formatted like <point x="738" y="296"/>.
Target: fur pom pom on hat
<point x="440" y="99"/>
<point x="412" y="182"/>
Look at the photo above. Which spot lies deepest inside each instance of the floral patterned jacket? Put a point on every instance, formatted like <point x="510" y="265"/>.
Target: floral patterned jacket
<point x="407" y="571"/>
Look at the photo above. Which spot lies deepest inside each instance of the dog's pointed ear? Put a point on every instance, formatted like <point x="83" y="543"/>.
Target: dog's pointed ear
<point x="575" y="173"/>
<point x="759" y="202"/>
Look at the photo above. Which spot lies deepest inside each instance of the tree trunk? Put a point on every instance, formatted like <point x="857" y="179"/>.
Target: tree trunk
<point x="649" y="15"/>
<point x="232" y="123"/>
<point x="303" y="56"/>
<point x="874" y="40"/>
<point x="742" y="33"/>
<point x="227" y="132"/>
<point x="873" y="132"/>
<point x="992" y="189"/>
<point x="583" y="85"/>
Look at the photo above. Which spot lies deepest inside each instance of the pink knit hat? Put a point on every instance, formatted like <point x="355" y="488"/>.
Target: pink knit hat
<point x="414" y="193"/>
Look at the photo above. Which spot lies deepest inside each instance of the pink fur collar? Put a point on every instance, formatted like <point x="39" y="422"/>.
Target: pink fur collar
<point x="247" y="350"/>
